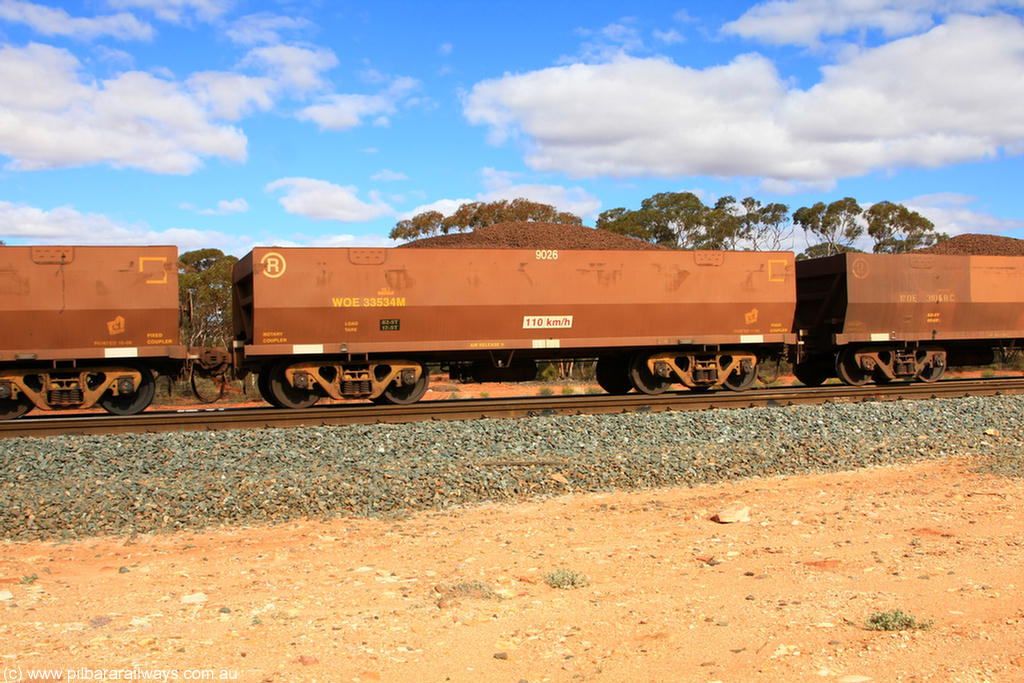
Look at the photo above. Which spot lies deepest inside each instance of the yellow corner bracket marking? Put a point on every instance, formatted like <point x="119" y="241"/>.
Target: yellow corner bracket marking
<point x="777" y="275"/>
<point x="156" y="259"/>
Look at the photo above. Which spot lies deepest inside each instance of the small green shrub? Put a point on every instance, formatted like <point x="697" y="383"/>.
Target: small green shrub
<point x="549" y="373"/>
<point x="567" y="389"/>
<point x="896" y="620"/>
<point x="467" y="589"/>
<point x="566" y="578"/>
<point x="546" y="391"/>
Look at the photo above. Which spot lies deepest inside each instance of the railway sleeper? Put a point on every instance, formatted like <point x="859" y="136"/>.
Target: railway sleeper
<point x="736" y="370"/>
<point x="120" y="390"/>
<point x="385" y="381"/>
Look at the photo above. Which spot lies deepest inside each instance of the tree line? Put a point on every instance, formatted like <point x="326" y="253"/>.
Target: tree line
<point x="681" y="220"/>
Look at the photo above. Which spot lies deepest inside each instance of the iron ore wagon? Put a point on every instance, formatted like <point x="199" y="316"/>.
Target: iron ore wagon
<point x="364" y="323"/>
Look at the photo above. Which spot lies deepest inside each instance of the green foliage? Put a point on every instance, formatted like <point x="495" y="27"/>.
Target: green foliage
<point x="766" y="227"/>
<point x="818" y="250"/>
<point x="470" y="589"/>
<point x="204" y="288"/>
<point x="896" y="620"/>
<point x="830" y="229"/>
<point x="568" y="390"/>
<point x="420" y="225"/>
<point x="682" y="220"/>
<point x="549" y="373"/>
<point x="566" y="578"/>
<point x="474" y="215"/>
<point x="545" y="391"/>
<point x="897" y="229"/>
<point x="675" y="219"/>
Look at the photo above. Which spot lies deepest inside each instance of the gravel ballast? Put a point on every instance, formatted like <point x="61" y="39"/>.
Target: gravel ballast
<point x="66" y="487"/>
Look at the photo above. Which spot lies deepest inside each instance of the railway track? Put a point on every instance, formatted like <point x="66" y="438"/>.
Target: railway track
<point x="201" y="419"/>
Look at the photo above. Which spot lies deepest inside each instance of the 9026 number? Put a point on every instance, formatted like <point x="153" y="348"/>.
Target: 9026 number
<point x="547" y="254"/>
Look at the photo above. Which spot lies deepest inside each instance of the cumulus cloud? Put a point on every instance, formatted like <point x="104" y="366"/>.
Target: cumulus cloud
<point x="226" y="206"/>
<point x="321" y="200"/>
<point x="50" y="21"/>
<point x="264" y="28"/>
<point x="950" y="95"/>
<point x="65" y="225"/>
<point x="296" y="68"/>
<point x="387" y="175"/>
<point x="952" y="214"/>
<point x="805" y="22"/>
<point x="133" y="119"/>
<point x="504" y="185"/>
<point x="604" y="44"/>
<point x="178" y="11"/>
<point x="339" y="112"/>
<point x="230" y="95"/>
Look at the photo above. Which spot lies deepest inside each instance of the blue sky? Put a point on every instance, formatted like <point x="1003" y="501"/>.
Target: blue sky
<point x="230" y="123"/>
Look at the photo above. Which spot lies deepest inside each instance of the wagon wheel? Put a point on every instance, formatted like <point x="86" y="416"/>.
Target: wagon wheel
<point x="643" y="379"/>
<point x="13" y="408"/>
<point x="811" y="374"/>
<point x="931" y="373"/>
<point x="738" y="380"/>
<point x="612" y="374"/>
<point x="135" y="402"/>
<point x="283" y="393"/>
<point x="263" y="384"/>
<point x="404" y="394"/>
<point x="849" y="371"/>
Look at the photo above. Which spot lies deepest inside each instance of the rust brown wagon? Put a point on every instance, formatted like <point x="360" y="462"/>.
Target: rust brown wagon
<point x="363" y="323"/>
<point x="880" y="317"/>
<point x="86" y="325"/>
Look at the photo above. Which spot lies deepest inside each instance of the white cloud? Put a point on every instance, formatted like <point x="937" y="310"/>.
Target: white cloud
<point x="502" y="185"/>
<point x="265" y="28"/>
<point x="134" y="119"/>
<point x="321" y="200"/>
<point x="805" y="22"/>
<point x="446" y="207"/>
<point x="339" y="112"/>
<point x="296" y="68"/>
<point x="386" y="175"/>
<point x="226" y="206"/>
<point x="230" y="95"/>
<point x="669" y="37"/>
<point x="445" y="49"/>
<point x="65" y="225"/>
<point x="179" y="11"/>
<point x="950" y="95"/>
<point x="604" y="44"/>
<point x="951" y="213"/>
<point x="51" y="21"/>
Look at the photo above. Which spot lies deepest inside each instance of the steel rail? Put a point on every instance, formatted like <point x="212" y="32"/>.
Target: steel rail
<point x="203" y="419"/>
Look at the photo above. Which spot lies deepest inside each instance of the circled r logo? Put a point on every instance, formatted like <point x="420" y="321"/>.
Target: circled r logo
<point x="273" y="264"/>
<point x="860" y="268"/>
